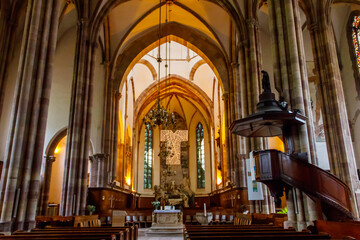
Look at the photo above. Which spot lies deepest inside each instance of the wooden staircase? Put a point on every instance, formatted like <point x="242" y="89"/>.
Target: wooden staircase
<point x="279" y="170"/>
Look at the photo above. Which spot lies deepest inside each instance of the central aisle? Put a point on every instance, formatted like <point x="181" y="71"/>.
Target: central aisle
<point x="143" y="236"/>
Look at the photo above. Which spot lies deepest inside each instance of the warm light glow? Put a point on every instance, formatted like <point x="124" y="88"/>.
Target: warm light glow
<point x="276" y="143"/>
<point x="223" y="129"/>
<point x="57" y="150"/>
<point x="128" y="180"/>
<point x="218" y="177"/>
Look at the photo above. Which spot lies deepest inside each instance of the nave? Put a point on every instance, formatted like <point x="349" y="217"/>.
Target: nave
<point x="126" y="118"/>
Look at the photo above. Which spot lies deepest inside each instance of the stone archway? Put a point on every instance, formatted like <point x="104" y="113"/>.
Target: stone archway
<point x="47" y="166"/>
<point x="198" y="42"/>
<point x="48" y="161"/>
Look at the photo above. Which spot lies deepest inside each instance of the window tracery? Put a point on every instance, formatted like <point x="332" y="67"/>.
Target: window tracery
<point x="148" y="157"/>
<point x="200" y="156"/>
<point x="354" y="45"/>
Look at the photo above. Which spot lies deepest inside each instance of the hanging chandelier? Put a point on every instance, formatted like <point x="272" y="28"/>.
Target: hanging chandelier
<point x="159" y="116"/>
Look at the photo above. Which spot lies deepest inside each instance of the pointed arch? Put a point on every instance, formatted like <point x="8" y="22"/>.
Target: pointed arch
<point x="200" y="156"/>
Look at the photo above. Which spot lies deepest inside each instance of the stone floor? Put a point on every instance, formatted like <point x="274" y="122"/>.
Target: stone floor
<point x="143" y="236"/>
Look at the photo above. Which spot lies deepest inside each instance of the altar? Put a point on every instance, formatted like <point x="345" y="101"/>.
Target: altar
<point x="167" y="222"/>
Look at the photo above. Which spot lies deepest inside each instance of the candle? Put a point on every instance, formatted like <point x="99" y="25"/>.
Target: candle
<point x="204" y="209"/>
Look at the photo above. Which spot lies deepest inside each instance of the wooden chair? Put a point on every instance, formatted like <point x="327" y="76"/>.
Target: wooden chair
<point x="128" y="221"/>
<point x="223" y="219"/>
<point x="230" y="219"/>
<point x="135" y="220"/>
<point x="243" y="219"/>
<point x="187" y="219"/>
<point x="148" y="221"/>
<point x="142" y="221"/>
<point x="216" y="219"/>
<point x="194" y="220"/>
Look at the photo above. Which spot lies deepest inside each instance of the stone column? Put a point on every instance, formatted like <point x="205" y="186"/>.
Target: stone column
<point x="20" y="180"/>
<point x="110" y="124"/>
<point x="335" y="117"/>
<point x="115" y="134"/>
<point x="99" y="176"/>
<point x="74" y="191"/>
<point x="9" y="16"/>
<point x="45" y="185"/>
<point x="291" y="81"/>
<point x="227" y="136"/>
<point x="237" y="161"/>
<point x="250" y="57"/>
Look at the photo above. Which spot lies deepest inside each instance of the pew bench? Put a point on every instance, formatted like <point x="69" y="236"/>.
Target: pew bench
<point x="266" y="237"/>
<point x="61" y="236"/>
<point x="130" y="233"/>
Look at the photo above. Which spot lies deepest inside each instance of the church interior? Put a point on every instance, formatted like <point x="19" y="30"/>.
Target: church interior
<point x="140" y="119"/>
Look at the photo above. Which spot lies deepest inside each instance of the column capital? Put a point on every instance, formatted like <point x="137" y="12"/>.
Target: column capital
<point x="234" y="64"/>
<point x="82" y="21"/>
<point x="49" y="159"/>
<point x="252" y="22"/>
<point x="313" y="27"/>
<point x="118" y="95"/>
<point x="225" y="96"/>
<point x="99" y="156"/>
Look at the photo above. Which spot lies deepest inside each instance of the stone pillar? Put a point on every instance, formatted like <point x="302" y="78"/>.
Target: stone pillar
<point x="99" y="176"/>
<point x="20" y="180"/>
<point x="9" y="16"/>
<point x="250" y="57"/>
<point x="335" y="117"/>
<point x="114" y="157"/>
<point x="227" y="136"/>
<point x="237" y="161"/>
<point x="291" y="81"/>
<point x="109" y="142"/>
<point x="74" y="191"/>
<point x="45" y="185"/>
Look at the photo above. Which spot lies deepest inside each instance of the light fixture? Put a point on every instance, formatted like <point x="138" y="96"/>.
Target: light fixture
<point x="159" y="115"/>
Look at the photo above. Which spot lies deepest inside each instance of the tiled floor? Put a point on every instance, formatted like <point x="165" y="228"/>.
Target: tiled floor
<point x="143" y="236"/>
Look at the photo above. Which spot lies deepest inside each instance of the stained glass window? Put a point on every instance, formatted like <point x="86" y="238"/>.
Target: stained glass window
<point x="148" y="157"/>
<point x="200" y="156"/>
<point x="356" y="38"/>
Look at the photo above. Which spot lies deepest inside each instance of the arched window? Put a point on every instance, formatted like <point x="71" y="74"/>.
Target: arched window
<point x="356" y="36"/>
<point x="200" y="156"/>
<point x="148" y="157"/>
<point x="354" y="45"/>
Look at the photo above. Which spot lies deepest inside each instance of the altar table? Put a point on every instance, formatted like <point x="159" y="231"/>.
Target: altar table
<point x="167" y="221"/>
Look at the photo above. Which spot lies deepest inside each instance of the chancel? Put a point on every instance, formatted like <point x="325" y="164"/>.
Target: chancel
<point x="180" y="119"/>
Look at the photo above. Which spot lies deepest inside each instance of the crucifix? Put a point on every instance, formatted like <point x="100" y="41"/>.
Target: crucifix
<point x="174" y="140"/>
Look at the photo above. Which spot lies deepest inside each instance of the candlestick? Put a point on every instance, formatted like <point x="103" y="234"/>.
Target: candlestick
<point x="204" y="209"/>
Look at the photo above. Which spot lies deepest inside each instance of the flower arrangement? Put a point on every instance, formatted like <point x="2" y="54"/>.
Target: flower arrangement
<point x="91" y="209"/>
<point x="283" y="211"/>
<point x="156" y="204"/>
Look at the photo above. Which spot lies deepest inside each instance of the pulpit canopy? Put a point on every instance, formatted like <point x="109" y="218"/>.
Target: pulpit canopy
<point x="270" y="119"/>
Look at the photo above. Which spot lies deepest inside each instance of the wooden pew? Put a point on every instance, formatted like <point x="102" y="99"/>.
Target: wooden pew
<point x="248" y="231"/>
<point x="338" y="230"/>
<point x="60" y="236"/>
<point x="119" y="235"/>
<point x="130" y="233"/>
<point x="267" y="237"/>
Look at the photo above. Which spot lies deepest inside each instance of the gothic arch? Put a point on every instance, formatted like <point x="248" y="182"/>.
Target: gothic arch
<point x="135" y="48"/>
<point x="195" y="68"/>
<point x="50" y="149"/>
<point x="150" y="67"/>
<point x="355" y="60"/>
<point x="183" y="87"/>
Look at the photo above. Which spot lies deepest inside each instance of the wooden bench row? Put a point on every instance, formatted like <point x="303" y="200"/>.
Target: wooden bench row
<point x="248" y="231"/>
<point x="57" y="233"/>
